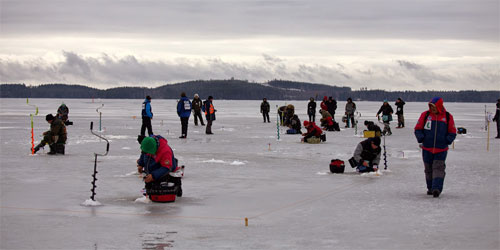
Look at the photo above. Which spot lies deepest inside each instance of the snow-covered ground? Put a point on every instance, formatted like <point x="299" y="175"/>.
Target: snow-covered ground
<point x="283" y="187"/>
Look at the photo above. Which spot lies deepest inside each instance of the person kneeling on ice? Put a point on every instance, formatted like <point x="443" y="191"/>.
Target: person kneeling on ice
<point x="157" y="161"/>
<point x="55" y="137"/>
<point x="326" y="120"/>
<point x="294" y="126"/>
<point x="371" y="126"/>
<point x="313" y="133"/>
<point x="367" y="155"/>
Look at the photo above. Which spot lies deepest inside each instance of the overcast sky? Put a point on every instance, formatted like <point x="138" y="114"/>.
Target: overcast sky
<point x="379" y="44"/>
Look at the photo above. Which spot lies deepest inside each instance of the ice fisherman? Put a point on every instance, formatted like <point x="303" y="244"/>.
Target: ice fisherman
<point x="331" y="106"/>
<point x="295" y="125"/>
<point x="311" y="110"/>
<point x="62" y="113"/>
<point x="326" y="120"/>
<point x="184" y="111"/>
<point x="147" y="116"/>
<point x="496" y="118"/>
<point x="399" y="111"/>
<point x="435" y="130"/>
<point x="367" y="155"/>
<point x="157" y="161"/>
<point x="371" y="126"/>
<point x="350" y="108"/>
<point x="313" y="131"/>
<point x="264" y="109"/>
<point x="386" y="111"/>
<point x="56" y="135"/>
<point x="208" y="108"/>
<point x="197" y="103"/>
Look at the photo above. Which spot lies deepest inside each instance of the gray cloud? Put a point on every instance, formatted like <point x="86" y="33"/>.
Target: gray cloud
<point x="107" y="71"/>
<point x="408" y="19"/>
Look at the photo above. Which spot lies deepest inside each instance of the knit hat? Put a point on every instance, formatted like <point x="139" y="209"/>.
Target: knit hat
<point x="49" y="117"/>
<point x="376" y="140"/>
<point x="149" y="146"/>
<point x="196" y="95"/>
<point x="306" y="123"/>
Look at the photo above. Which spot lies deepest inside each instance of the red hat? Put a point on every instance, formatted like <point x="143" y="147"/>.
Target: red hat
<point x="306" y="123"/>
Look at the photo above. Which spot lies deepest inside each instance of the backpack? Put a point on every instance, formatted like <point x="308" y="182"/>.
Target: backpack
<point x="337" y="166"/>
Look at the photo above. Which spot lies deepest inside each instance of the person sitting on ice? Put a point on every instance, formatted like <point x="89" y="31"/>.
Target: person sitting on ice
<point x="371" y="126"/>
<point x="313" y="132"/>
<point x="367" y="155"/>
<point x="56" y="135"/>
<point x="157" y="161"/>
<point x="326" y="120"/>
<point x="294" y="125"/>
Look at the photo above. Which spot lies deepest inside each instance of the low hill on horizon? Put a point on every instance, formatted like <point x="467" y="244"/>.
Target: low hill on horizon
<point x="240" y="90"/>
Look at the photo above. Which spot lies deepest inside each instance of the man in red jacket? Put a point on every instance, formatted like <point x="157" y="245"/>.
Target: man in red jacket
<point x="435" y="130"/>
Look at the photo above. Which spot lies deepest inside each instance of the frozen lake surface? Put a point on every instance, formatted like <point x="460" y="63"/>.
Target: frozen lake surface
<point x="242" y="171"/>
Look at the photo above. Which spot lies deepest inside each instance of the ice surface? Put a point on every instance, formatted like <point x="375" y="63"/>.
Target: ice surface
<point x="284" y="187"/>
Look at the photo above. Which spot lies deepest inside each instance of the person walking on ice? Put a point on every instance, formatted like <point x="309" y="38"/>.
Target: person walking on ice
<point x="435" y="130"/>
<point x="184" y="111"/>
<point x="264" y="109"/>
<point x="147" y="116"/>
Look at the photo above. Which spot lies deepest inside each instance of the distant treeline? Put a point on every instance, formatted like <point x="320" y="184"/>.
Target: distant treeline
<point x="240" y="90"/>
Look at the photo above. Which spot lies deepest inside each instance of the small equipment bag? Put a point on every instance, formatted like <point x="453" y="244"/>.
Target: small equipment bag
<point x="353" y="162"/>
<point x="461" y="130"/>
<point x="337" y="166"/>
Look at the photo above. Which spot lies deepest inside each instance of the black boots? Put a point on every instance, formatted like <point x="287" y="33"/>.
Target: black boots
<point x="52" y="149"/>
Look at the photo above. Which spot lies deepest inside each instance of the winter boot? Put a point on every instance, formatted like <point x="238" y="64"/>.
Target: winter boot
<point x="52" y="149"/>
<point x="436" y="193"/>
<point x="60" y="148"/>
<point x="37" y="148"/>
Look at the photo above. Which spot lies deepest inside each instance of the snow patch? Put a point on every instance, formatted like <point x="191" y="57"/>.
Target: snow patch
<point x="91" y="203"/>
<point x="143" y="199"/>
<point x="237" y="163"/>
<point x="128" y="174"/>
<point x="126" y="148"/>
<point x="118" y="137"/>
<point x="214" y="161"/>
<point x="322" y="173"/>
<point x="372" y="174"/>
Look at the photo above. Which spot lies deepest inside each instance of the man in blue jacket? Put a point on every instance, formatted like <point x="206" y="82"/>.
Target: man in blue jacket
<point x="184" y="111"/>
<point x="147" y="116"/>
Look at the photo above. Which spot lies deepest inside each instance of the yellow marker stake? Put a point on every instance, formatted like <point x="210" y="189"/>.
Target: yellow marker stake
<point x="246" y="222"/>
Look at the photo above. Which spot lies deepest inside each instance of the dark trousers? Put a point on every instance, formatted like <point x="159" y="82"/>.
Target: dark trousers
<point x="498" y="129"/>
<point x="265" y="115"/>
<point x="208" y="129"/>
<point x="197" y="115"/>
<point x="184" y="125"/>
<point x="434" y="169"/>
<point x="146" y="123"/>
<point x="350" y="121"/>
<point x="401" y="120"/>
<point x="312" y="117"/>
